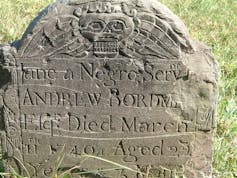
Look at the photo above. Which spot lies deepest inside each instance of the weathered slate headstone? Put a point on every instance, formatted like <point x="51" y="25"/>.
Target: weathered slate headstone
<point x="120" y="80"/>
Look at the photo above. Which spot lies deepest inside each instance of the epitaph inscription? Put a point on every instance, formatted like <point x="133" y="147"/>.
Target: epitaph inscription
<point x="119" y="80"/>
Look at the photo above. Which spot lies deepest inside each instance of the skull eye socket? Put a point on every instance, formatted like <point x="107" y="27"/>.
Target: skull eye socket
<point x="96" y="26"/>
<point x="117" y="26"/>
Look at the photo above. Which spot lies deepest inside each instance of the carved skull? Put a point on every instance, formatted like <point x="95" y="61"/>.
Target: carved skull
<point x="105" y="31"/>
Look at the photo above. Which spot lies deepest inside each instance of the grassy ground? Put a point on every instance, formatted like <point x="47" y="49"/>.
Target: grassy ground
<point x="212" y="21"/>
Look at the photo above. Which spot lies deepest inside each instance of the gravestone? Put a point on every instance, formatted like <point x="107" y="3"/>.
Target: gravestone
<point x="117" y="87"/>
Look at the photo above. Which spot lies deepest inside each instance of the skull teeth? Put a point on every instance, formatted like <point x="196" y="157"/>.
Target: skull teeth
<point x="105" y="47"/>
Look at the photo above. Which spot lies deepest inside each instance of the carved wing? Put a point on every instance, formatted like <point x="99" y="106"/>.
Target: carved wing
<point x="155" y="37"/>
<point x="61" y="41"/>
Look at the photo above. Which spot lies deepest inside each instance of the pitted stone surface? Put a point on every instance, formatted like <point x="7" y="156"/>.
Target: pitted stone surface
<point x="118" y="80"/>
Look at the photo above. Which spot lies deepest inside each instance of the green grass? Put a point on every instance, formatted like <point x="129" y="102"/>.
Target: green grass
<point x="213" y="22"/>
